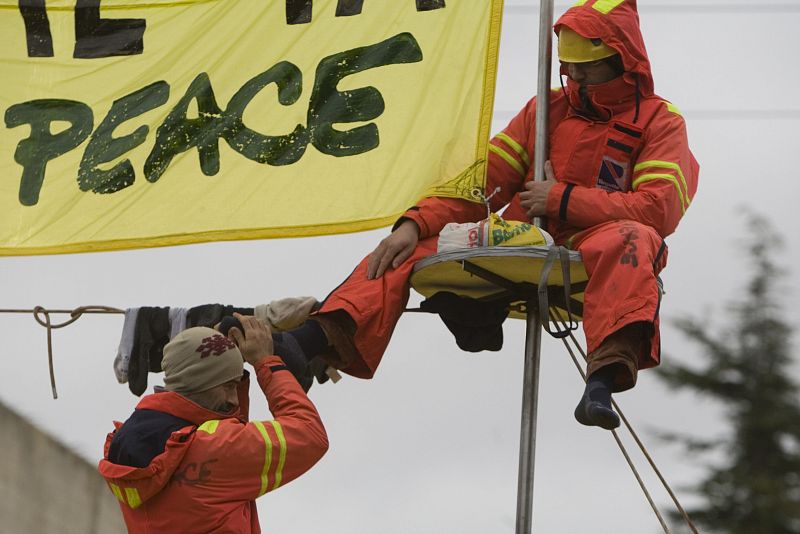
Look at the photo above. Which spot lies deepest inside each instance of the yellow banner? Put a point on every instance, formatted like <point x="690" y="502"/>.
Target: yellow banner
<point x="140" y="123"/>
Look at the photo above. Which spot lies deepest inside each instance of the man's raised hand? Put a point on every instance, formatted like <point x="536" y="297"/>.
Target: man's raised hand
<point x="256" y="340"/>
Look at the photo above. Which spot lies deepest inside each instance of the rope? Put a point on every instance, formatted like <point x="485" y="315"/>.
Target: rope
<point x="638" y="441"/>
<point x="42" y="316"/>
<point x="619" y="441"/>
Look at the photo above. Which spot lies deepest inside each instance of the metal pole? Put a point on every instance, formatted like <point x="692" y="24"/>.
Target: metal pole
<point x="542" y="148"/>
<point x="530" y="395"/>
<point x="533" y="334"/>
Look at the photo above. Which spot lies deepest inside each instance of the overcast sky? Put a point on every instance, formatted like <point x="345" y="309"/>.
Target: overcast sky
<point x="430" y="445"/>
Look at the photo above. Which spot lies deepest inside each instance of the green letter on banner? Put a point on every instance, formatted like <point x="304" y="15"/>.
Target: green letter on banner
<point x="34" y="152"/>
<point x="330" y="106"/>
<point x="103" y="147"/>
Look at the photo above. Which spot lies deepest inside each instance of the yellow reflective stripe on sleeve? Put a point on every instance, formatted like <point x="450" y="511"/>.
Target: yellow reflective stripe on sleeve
<point x="507" y="158"/>
<point x="656" y="164"/>
<point x="282" y="457"/>
<point x="673" y="108"/>
<point x="117" y="492"/>
<point x="267" y="456"/>
<point x="134" y="501"/>
<point x="606" y="6"/>
<point x="579" y="3"/>
<point x="523" y="154"/>
<point x="209" y="427"/>
<point x="650" y="177"/>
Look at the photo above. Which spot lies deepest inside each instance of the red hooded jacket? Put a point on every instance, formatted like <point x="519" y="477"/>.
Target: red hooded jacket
<point x="190" y="469"/>
<point x="633" y="163"/>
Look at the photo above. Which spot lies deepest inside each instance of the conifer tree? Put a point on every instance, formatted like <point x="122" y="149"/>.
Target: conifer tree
<point x="747" y="367"/>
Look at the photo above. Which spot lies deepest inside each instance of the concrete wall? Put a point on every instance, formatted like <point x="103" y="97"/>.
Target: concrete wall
<point x="46" y="488"/>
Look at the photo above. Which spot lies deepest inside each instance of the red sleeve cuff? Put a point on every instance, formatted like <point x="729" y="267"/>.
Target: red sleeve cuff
<point x="264" y="366"/>
<point x="413" y="214"/>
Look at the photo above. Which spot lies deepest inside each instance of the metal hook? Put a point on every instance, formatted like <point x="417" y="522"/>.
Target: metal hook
<point x="479" y="194"/>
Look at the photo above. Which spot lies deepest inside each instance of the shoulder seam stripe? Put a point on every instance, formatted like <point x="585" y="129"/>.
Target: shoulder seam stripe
<point x="606" y="6"/>
<point x="673" y="108"/>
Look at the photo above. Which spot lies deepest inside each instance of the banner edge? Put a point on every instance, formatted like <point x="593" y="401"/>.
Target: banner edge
<point x="285" y="232"/>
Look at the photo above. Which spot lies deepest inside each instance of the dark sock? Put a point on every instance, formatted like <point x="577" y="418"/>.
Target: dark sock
<point x="600" y="384"/>
<point x="311" y="338"/>
<point x="594" y="408"/>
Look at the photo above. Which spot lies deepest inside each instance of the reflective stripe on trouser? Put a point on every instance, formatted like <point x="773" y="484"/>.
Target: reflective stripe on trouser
<point x="622" y="289"/>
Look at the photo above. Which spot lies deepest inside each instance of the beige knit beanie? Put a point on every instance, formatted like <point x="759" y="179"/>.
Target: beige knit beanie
<point x="198" y="359"/>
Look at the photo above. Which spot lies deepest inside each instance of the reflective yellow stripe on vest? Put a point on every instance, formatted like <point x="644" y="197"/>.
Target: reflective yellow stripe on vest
<point x="209" y="427"/>
<point x="267" y="456"/>
<point x="134" y="501"/>
<point x="523" y="154"/>
<point x="656" y="164"/>
<point x="282" y="456"/>
<point x="670" y="178"/>
<point x="508" y="158"/>
<point x="117" y="492"/>
<point x="672" y="108"/>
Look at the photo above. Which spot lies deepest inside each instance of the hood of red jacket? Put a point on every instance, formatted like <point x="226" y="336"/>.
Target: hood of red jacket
<point x="150" y="480"/>
<point x="616" y="23"/>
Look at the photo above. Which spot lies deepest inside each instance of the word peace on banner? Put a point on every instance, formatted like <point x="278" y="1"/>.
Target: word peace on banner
<point x="139" y="123"/>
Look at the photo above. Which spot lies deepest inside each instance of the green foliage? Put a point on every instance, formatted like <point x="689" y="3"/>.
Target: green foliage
<point x="747" y="366"/>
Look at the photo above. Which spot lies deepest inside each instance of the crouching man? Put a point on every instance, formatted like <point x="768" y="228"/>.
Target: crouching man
<point x="188" y="459"/>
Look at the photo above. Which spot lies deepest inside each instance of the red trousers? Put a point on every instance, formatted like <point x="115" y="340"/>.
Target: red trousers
<point x="622" y="259"/>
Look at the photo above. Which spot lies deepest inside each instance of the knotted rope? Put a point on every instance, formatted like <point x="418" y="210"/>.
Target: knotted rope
<point x="42" y="316"/>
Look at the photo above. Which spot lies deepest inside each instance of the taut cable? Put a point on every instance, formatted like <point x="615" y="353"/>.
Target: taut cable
<point x="618" y="440"/>
<point x="635" y="436"/>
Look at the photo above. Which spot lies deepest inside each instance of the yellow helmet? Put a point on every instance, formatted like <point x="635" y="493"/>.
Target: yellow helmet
<point x="575" y="48"/>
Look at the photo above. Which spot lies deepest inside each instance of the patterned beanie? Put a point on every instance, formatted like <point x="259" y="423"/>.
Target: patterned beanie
<point x="199" y="359"/>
